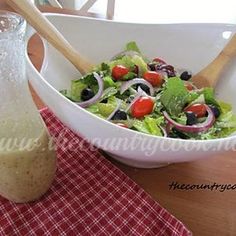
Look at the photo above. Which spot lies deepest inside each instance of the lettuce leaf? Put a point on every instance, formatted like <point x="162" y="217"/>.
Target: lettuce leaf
<point x="76" y="88"/>
<point x="105" y="109"/>
<point x="109" y="92"/>
<point x="225" y="107"/>
<point x="132" y="46"/>
<point x="102" y="69"/>
<point x="78" y="85"/>
<point x="174" y="96"/>
<point x="130" y="63"/>
<point x="209" y="96"/>
<point x="205" y="95"/>
<point x="224" y="125"/>
<point x="124" y="61"/>
<point x="140" y="62"/>
<point x="108" y="82"/>
<point x="67" y="94"/>
<point x="149" y="125"/>
<point x="227" y="119"/>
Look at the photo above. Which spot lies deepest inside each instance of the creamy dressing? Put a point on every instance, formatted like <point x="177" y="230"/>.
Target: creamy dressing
<point x="26" y="174"/>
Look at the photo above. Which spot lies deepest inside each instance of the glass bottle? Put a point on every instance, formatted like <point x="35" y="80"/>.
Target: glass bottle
<point x="27" y="160"/>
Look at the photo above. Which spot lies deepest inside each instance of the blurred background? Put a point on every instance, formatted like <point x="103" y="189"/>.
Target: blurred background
<point x="168" y="11"/>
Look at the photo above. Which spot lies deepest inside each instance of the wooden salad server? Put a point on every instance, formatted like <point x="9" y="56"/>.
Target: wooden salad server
<point x="46" y="29"/>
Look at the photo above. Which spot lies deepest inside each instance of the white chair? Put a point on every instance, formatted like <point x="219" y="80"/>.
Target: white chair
<point x="84" y="6"/>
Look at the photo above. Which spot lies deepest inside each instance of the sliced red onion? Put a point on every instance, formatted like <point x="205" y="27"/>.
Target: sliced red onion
<point x="163" y="131"/>
<point x="97" y="95"/>
<point x="115" y="110"/>
<point x="129" y="83"/>
<point x="201" y="127"/>
<point x="168" y="127"/>
<point x="125" y="53"/>
<point x="163" y="73"/>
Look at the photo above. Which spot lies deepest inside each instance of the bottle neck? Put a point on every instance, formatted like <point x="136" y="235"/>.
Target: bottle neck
<point x="18" y="114"/>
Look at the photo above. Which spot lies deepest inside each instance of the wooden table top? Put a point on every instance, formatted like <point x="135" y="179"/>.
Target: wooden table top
<point x="204" y="212"/>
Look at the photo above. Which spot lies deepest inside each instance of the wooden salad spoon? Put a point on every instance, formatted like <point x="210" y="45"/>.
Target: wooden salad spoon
<point x="46" y="29"/>
<point x="208" y="77"/>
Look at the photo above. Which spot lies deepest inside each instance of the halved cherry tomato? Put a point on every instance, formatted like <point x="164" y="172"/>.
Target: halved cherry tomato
<point x="122" y="125"/>
<point x="143" y="106"/>
<point x="188" y="86"/>
<point x="158" y="60"/>
<point x="198" y="109"/>
<point x="154" y="78"/>
<point x="119" y="71"/>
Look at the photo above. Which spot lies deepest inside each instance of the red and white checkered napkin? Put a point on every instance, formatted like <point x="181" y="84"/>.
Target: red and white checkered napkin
<point x="89" y="196"/>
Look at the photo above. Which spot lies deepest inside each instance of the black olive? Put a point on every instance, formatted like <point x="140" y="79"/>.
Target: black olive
<point x="86" y="94"/>
<point x="215" y="110"/>
<point x="186" y="75"/>
<point x="144" y="87"/>
<point x="119" y="115"/>
<point x="191" y="118"/>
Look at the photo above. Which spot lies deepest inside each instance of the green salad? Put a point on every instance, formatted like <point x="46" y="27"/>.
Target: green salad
<point x="152" y="97"/>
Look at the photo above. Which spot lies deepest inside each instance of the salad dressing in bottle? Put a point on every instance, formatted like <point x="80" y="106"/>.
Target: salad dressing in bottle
<point x="27" y="158"/>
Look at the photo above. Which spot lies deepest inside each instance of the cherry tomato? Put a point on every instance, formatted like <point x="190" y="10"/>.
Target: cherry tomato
<point x="143" y="106"/>
<point x="198" y="109"/>
<point x="122" y="125"/>
<point x="154" y="78"/>
<point x="188" y="86"/>
<point x="158" y="60"/>
<point x="119" y="71"/>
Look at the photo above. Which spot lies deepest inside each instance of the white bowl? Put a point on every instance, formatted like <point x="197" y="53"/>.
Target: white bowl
<point x="190" y="46"/>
